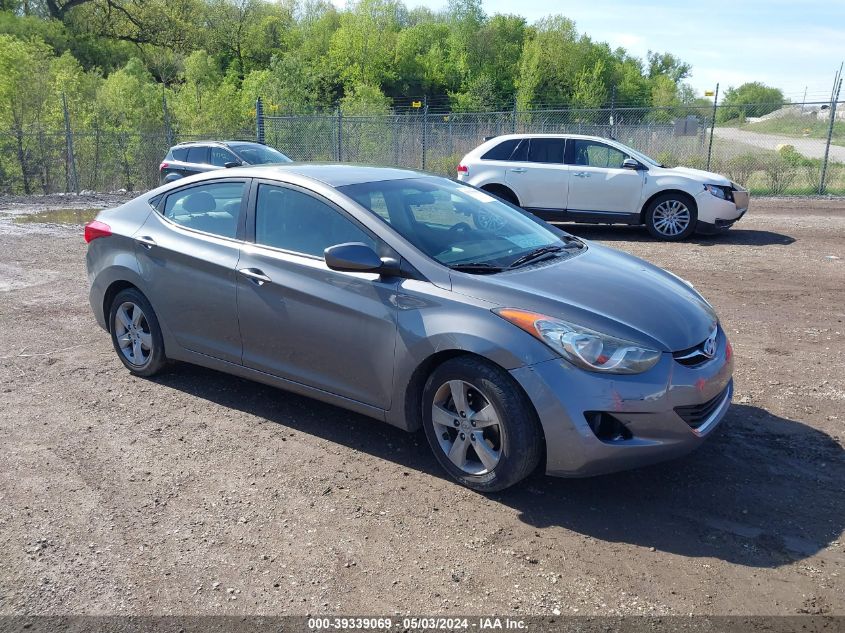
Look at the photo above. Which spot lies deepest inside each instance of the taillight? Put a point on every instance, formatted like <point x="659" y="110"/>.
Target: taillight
<point x="96" y="229"/>
<point x="163" y="166"/>
<point x="463" y="169"/>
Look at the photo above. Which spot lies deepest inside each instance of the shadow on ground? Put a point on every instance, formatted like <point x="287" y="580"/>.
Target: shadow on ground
<point x="762" y="492"/>
<point x="623" y="233"/>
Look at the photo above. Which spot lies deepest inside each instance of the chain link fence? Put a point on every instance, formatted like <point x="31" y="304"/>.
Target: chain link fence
<point x="773" y="149"/>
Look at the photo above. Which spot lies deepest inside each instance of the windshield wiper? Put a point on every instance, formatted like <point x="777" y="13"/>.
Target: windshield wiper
<point x="476" y="267"/>
<point x="536" y="254"/>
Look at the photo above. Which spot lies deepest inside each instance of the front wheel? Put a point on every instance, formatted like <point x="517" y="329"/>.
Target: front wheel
<point x="671" y="217"/>
<point x="480" y="425"/>
<point x="135" y="333"/>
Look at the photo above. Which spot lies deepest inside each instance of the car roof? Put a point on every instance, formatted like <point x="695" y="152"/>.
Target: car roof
<point x="550" y="135"/>
<point x="331" y="174"/>
<point x="214" y="142"/>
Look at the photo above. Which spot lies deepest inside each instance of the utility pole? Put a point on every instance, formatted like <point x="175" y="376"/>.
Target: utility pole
<point x="712" y="127"/>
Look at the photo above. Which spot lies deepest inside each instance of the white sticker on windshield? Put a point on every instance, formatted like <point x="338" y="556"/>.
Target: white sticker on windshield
<point x="528" y="240"/>
<point x="479" y="195"/>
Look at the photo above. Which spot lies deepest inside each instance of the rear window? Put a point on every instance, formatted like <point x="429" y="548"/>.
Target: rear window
<point x="502" y="151"/>
<point x="179" y="153"/>
<point x="198" y="154"/>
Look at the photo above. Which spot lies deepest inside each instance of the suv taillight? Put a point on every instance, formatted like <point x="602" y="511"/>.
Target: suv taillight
<point x="163" y="166"/>
<point x="463" y="169"/>
<point x="95" y="229"/>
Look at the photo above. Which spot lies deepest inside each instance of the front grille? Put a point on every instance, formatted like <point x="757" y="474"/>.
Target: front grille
<point x="696" y="414"/>
<point x="696" y="355"/>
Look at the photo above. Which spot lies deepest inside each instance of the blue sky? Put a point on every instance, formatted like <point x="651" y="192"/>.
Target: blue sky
<point x="787" y="44"/>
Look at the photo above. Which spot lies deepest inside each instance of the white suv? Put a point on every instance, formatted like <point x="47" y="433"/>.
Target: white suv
<point x="566" y="177"/>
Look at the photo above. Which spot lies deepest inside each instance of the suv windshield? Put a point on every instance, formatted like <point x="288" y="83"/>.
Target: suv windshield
<point x="459" y="226"/>
<point x="255" y="154"/>
<point x="639" y="155"/>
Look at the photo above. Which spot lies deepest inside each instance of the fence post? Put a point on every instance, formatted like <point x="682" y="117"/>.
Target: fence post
<point x="168" y="128"/>
<point x="424" y="133"/>
<point x="712" y="127"/>
<point x="613" y="112"/>
<point x="259" y="120"/>
<point x="833" y="103"/>
<point x="72" y="176"/>
<point x="513" y="127"/>
<point x="339" y="153"/>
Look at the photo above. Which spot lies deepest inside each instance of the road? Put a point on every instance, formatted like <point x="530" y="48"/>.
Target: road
<point x="809" y="147"/>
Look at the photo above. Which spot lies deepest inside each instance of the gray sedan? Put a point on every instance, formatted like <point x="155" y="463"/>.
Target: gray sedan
<point x="421" y="302"/>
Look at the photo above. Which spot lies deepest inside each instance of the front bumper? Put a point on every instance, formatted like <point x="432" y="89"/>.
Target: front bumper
<point x="645" y="404"/>
<point x="716" y="215"/>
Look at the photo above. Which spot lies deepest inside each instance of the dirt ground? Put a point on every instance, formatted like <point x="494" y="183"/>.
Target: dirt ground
<point x="198" y="493"/>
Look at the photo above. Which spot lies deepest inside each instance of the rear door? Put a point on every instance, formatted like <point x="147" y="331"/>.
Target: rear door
<point x="334" y="331"/>
<point x="198" y="160"/>
<point x="538" y="175"/>
<point x="598" y="185"/>
<point x="188" y="251"/>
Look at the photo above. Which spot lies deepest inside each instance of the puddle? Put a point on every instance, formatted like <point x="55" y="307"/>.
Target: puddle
<point x="58" y="216"/>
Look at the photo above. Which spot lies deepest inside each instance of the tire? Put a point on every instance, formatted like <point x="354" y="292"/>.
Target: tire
<point x="671" y="217"/>
<point x="136" y="334"/>
<point x="502" y="192"/>
<point x="514" y="443"/>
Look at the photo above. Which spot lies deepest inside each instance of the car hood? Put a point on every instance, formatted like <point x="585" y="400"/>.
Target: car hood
<point x="605" y="290"/>
<point x="704" y="177"/>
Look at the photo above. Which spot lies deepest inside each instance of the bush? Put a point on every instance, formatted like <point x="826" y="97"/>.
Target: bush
<point x="739" y="168"/>
<point x="779" y="174"/>
<point x="443" y="165"/>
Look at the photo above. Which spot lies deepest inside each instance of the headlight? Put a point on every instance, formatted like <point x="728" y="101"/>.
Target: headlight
<point x="583" y="347"/>
<point x="723" y="193"/>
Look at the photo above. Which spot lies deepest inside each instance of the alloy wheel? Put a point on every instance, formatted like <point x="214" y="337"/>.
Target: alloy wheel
<point x="671" y="218"/>
<point x="467" y="426"/>
<point x="132" y="331"/>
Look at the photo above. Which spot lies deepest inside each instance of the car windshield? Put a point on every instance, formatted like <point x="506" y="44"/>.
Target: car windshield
<point x="459" y="226"/>
<point x="639" y="155"/>
<point x="258" y="154"/>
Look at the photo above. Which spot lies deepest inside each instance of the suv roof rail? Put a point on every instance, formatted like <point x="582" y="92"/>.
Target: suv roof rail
<point x="211" y="140"/>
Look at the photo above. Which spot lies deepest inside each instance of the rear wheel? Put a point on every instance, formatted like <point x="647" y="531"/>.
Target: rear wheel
<point x="136" y="334"/>
<point x="480" y="425"/>
<point x="500" y="191"/>
<point x="671" y="217"/>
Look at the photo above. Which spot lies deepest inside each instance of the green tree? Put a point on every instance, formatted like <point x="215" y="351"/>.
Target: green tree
<point x="749" y="99"/>
<point x="25" y="94"/>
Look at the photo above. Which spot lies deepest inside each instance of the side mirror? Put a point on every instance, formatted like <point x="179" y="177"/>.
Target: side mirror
<point x="353" y="257"/>
<point x="234" y="163"/>
<point x="630" y="163"/>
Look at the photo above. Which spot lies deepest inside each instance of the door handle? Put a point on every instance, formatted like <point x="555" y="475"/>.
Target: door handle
<point x="146" y="241"/>
<point x="255" y="275"/>
<point x="519" y="170"/>
<point x="581" y="174"/>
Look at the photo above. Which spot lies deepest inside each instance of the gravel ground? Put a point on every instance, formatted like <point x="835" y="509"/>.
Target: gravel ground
<point x="197" y="493"/>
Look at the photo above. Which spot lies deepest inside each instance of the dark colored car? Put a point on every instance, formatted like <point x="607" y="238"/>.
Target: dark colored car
<point x="196" y="157"/>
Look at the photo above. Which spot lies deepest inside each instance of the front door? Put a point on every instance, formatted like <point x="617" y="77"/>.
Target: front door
<point x="188" y="252"/>
<point x="537" y="174"/>
<point x="598" y="184"/>
<point x="335" y="331"/>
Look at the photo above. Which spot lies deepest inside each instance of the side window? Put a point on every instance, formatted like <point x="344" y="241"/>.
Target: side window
<point x="546" y="150"/>
<point x="198" y="154"/>
<point x="594" y="154"/>
<point x="298" y="222"/>
<point x="520" y="154"/>
<point x="502" y="151"/>
<point x="220" y="156"/>
<point x="212" y="208"/>
<point x="179" y="153"/>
